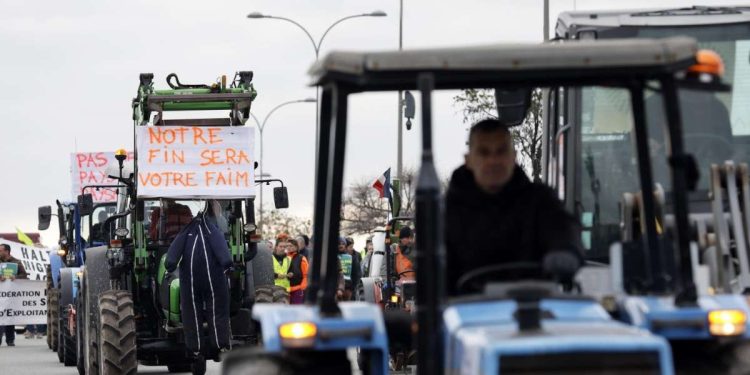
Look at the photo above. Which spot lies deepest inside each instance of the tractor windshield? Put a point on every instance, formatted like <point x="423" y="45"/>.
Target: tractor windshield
<point x="716" y="128"/>
<point x="177" y="214"/>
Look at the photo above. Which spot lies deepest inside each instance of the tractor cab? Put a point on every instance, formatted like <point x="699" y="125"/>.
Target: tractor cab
<point x="529" y="326"/>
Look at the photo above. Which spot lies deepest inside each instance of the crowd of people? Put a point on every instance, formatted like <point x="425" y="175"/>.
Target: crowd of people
<point x="292" y="259"/>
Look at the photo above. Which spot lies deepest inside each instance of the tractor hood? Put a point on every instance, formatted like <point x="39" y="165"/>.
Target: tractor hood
<point x="576" y="335"/>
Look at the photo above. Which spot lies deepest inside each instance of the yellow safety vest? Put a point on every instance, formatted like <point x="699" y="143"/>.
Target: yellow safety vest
<point x="281" y="268"/>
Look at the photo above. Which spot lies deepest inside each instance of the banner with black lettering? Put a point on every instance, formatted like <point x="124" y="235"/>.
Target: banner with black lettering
<point x="22" y="302"/>
<point x="34" y="259"/>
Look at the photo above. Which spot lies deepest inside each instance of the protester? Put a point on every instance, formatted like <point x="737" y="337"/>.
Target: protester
<point x="495" y="215"/>
<point x="368" y="258"/>
<point x="350" y="269"/>
<point x="297" y="274"/>
<point x="281" y="263"/>
<point x="5" y="257"/>
<point x="303" y="244"/>
<point x="403" y="256"/>
<point x="165" y="228"/>
<point x="37" y="330"/>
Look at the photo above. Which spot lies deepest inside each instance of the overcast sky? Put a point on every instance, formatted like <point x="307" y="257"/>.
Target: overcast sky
<point x="70" y="69"/>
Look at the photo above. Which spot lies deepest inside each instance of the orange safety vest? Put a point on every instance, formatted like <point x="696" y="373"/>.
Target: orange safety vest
<point x="404" y="264"/>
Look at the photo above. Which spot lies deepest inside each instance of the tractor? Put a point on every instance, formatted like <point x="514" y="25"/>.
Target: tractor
<point x="672" y="258"/>
<point x="76" y="222"/>
<point x="130" y="303"/>
<point x="533" y="326"/>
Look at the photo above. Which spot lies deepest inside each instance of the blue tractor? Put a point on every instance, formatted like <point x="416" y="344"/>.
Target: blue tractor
<point x="77" y="225"/>
<point x="499" y="326"/>
<point x="684" y="273"/>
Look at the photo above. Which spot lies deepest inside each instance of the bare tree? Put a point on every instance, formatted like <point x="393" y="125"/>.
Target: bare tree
<point x="477" y="104"/>
<point x="279" y="221"/>
<point x="363" y="210"/>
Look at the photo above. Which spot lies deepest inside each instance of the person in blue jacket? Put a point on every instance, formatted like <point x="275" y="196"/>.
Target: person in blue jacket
<point x="204" y="259"/>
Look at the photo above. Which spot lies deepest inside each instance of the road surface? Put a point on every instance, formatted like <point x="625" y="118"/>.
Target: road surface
<point x="32" y="357"/>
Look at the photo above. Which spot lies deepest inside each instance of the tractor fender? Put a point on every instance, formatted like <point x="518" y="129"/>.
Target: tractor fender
<point x="55" y="265"/>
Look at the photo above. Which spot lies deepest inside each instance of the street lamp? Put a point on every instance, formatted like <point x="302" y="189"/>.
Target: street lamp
<point x="261" y="126"/>
<point x="316" y="47"/>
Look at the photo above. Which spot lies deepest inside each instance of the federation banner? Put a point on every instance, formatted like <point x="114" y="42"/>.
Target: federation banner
<point x="22" y="302"/>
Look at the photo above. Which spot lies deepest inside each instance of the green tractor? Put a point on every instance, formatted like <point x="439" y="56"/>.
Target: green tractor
<point x="130" y="303"/>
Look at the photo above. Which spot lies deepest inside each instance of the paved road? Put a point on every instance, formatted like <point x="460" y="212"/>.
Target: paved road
<point x="32" y="357"/>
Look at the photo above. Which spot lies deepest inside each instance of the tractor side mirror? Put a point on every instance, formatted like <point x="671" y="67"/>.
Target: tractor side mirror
<point x="45" y="216"/>
<point x="85" y="204"/>
<point x="512" y="105"/>
<point x="410" y="108"/>
<point x="280" y="197"/>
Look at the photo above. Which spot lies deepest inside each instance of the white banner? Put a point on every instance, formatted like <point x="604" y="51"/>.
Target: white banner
<point x="22" y="302"/>
<point x="34" y="259"/>
<point x="195" y="162"/>
<point x="88" y="168"/>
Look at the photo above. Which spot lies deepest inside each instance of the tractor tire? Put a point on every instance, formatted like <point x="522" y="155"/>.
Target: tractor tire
<point x="69" y="343"/>
<point x="280" y="295"/>
<point x="53" y="317"/>
<point x="60" y="330"/>
<point x="264" y="294"/>
<point x="116" y="331"/>
<point x="95" y="281"/>
<point x="178" y="368"/>
<point x="80" y="340"/>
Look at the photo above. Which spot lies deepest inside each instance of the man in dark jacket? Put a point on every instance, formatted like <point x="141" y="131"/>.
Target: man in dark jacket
<point x="5" y="257"/>
<point x="203" y="256"/>
<point x="496" y="215"/>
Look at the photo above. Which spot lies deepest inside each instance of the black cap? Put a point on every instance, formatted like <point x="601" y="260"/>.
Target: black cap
<point x="405" y="232"/>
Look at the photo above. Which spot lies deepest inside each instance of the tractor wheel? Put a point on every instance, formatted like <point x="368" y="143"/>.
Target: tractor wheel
<point x="80" y="339"/>
<point x="60" y="330"/>
<point x="116" y="331"/>
<point x="264" y="294"/>
<point x="53" y="296"/>
<point x="280" y="295"/>
<point x="68" y="343"/>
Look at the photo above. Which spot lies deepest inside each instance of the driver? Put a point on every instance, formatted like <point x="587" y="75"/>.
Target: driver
<point x="495" y="214"/>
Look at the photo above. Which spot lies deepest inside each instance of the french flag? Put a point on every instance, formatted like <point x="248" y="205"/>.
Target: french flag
<point x="383" y="184"/>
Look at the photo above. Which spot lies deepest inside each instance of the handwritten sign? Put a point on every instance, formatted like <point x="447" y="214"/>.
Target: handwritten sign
<point x="88" y="168"/>
<point x="195" y="162"/>
<point x="34" y="259"/>
<point x="22" y="302"/>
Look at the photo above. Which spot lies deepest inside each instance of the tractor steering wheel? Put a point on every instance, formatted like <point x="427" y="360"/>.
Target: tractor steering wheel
<point x="473" y="280"/>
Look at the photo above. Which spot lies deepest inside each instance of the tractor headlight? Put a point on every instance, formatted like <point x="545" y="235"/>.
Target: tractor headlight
<point x="298" y="334"/>
<point x="727" y="322"/>
<point x="122" y="232"/>
<point x="249" y="227"/>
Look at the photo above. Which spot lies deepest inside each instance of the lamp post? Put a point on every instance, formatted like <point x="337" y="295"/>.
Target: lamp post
<point x="261" y="126"/>
<point x="316" y="47"/>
